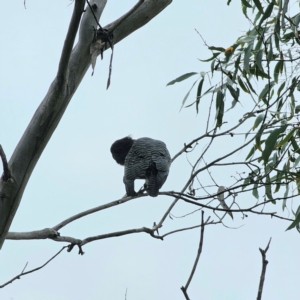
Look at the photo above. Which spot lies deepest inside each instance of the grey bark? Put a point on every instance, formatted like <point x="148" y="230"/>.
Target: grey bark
<point x="72" y="67"/>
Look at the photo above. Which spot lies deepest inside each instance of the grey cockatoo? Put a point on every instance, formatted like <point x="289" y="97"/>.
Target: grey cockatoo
<point x="144" y="158"/>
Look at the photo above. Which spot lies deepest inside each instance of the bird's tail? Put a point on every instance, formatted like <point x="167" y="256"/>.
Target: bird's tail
<point x="151" y="180"/>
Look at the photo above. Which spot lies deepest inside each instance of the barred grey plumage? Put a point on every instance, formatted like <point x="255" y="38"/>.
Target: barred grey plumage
<point x="145" y="158"/>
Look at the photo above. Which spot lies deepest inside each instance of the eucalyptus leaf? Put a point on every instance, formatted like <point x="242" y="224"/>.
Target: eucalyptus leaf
<point x="271" y="142"/>
<point x="182" y="77"/>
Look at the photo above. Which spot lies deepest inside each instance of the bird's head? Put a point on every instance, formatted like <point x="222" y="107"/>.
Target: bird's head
<point x="120" y="148"/>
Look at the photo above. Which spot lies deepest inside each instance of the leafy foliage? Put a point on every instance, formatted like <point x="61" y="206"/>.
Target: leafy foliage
<point x="261" y="65"/>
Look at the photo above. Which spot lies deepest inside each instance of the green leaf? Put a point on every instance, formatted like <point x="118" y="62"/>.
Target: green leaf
<point x="281" y="88"/>
<point x="258" y="141"/>
<point x="295" y="222"/>
<point x="245" y="2"/>
<point x="271" y="141"/>
<point x="265" y="90"/>
<point x="255" y="191"/>
<point x="186" y="96"/>
<point x="296" y="162"/>
<point x="251" y="152"/>
<point x="258" y="59"/>
<point x="277" y="37"/>
<point x="249" y="84"/>
<point x="247" y="56"/>
<point x="215" y="54"/>
<point x="244" y="10"/>
<point x="246" y="182"/>
<point x="257" y="72"/>
<point x="221" y="49"/>
<point x="267" y="13"/>
<point x="242" y="85"/>
<point x="199" y="93"/>
<point x="258" y="15"/>
<point x="287" y="138"/>
<point x="277" y="70"/>
<point x="258" y="121"/>
<point x="268" y="189"/>
<point x="234" y="93"/>
<point x="182" y="77"/>
<point x="295" y="145"/>
<point x="212" y="67"/>
<point x="297" y="109"/>
<point x="220" y="108"/>
<point x="258" y="5"/>
<point x="270" y="53"/>
<point x="236" y="66"/>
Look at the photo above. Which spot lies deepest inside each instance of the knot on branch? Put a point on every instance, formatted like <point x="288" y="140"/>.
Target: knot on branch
<point x="187" y="147"/>
<point x="105" y="36"/>
<point x="71" y="246"/>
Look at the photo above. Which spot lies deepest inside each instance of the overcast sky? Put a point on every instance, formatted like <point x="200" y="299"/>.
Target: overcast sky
<point x="76" y="171"/>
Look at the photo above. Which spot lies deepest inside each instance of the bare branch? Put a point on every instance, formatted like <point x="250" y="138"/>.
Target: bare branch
<point x="263" y="271"/>
<point x="47" y="233"/>
<point x="33" y="270"/>
<point x="189" y="228"/>
<point x="249" y="209"/>
<point x="120" y="233"/>
<point x="6" y="172"/>
<point x="207" y="134"/>
<point x="185" y="293"/>
<point x="69" y="41"/>
<point x="50" y="234"/>
<point x="199" y="170"/>
<point x="199" y="251"/>
<point x="95" y="209"/>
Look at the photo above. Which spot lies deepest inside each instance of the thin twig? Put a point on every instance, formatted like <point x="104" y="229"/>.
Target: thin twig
<point x="199" y="251"/>
<point x="184" y="288"/>
<point x="263" y="271"/>
<point x="93" y="210"/>
<point x="92" y="10"/>
<point x="33" y="270"/>
<point x="6" y="173"/>
<point x="189" y="228"/>
<point x="185" y="293"/>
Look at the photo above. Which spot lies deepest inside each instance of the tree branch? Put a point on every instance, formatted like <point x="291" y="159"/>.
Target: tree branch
<point x="33" y="270"/>
<point x="93" y="210"/>
<point x="69" y="41"/>
<point x="263" y="271"/>
<point x="120" y="233"/>
<point x="6" y="172"/>
<point x="199" y="251"/>
<point x="185" y="293"/>
<point x="189" y="228"/>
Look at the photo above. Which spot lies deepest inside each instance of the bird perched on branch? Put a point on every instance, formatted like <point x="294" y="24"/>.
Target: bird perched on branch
<point x="143" y="158"/>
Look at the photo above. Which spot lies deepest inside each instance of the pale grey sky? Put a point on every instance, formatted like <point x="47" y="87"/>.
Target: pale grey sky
<point x="76" y="171"/>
